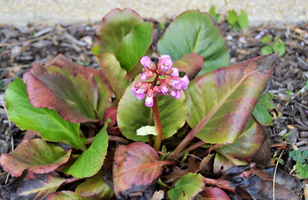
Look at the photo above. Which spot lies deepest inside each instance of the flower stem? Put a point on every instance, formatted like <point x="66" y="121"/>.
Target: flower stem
<point x="189" y="137"/>
<point x="159" y="128"/>
<point x="192" y="147"/>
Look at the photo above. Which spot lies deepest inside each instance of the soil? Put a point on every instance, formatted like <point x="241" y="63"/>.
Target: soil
<point x="20" y="47"/>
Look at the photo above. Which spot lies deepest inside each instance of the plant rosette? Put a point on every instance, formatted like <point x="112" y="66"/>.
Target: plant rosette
<point x="128" y="127"/>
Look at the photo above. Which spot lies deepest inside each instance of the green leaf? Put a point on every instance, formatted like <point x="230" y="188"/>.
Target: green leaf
<point x="113" y="72"/>
<point x="307" y="84"/>
<point x="91" y="160"/>
<point x="95" y="187"/>
<point x="266" y="50"/>
<point x="220" y="102"/>
<point x="43" y="120"/>
<point x="67" y="195"/>
<point x="244" y="148"/>
<point x="279" y="47"/>
<point x="243" y="20"/>
<point x="36" y="156"/>
<point x="187" y="187"/>
<point x="266" y="100"/>
<point x="305" y="154"/>
<point x="213" y="13"/>
<point x="133" y="114"/>
<point x="135" y="45"/>
<point x="193" y="31"/>
<point x="114" y="27"/>
<point x="232" y="17"/>
<point x="261" y="114"/>
<point x="266" y="39"/>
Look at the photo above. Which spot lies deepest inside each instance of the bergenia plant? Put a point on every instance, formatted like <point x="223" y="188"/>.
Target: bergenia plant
<point x="138" y="128"/>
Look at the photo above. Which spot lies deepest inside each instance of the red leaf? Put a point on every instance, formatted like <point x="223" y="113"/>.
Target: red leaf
<point x="136" y="167"/>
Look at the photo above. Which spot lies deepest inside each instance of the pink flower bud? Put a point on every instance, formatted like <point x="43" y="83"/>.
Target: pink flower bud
<point x="146" y="74"/>
<point x="156" y="90"/>
<point x="185" y="82"/>
<point x="176" y="94"/>
<point x="164" y="88"/>
<point x="146" y="62"/>
<point x="149" y="98"/>
<point x="175" y="72"/>
<point x="174" y="82"/>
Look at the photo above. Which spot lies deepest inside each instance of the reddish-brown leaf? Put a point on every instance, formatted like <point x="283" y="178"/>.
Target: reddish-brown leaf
<point x="191" y="64"/>
<point x="136" y="167"/>
<point x="212" y="194"/>
<point x="36" y="155"/>
<point x="78" y="94"/>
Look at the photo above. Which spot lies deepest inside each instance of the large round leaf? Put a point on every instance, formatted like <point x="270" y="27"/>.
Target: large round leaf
<point x="194" y="31"/>
<point x="133" y="114"/>
<point x="114" y="27"/>
<point x="220" y="102"/>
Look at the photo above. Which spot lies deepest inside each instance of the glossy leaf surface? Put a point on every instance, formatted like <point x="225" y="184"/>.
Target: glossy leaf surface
<point x="191" y="64"/>
<point x="43" y="120"/>
<point x="67" y="195"/>
<point x="68" y="88"/>
<point x="95" y="187"/>
<point x="133" y="114"/>
<point x="220" y="102"/>
<point x="114" y="27"/>
<point x="135" y="45"/>
<point x="91" y="160"/>
<point x="36" y="155"/>
<point x="136" y="167"/>
<point x="113" y="72"/>
<point x="194" y="31"/>
<point x="244" y="148"/>
<point x="187" y="187"/>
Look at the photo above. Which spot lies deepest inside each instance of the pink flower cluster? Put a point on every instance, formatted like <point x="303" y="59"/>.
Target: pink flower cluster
<point x="166" y="81"/>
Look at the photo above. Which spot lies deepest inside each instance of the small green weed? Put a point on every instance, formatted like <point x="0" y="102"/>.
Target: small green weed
<point x="301" y="158"/>
<point x="278" y="46"/>
<point x="213" y="13"/>
<point x="237" y="22"/>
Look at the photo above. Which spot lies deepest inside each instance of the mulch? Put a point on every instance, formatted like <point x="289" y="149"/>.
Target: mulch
<point x="20" y="47"/>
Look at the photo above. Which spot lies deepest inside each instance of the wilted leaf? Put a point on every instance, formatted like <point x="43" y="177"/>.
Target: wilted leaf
<point x="244" y="148"/>
<point x="187" y="187"/>
<point x="253" y="183"/>
<point x="68" y="88"/>
<point x="136" y="167"/>
<point x="67" y="195"/>
<point x="220" y="102"/>
<point x="133" y="114"/>
<point x="129" y="53"/>
<point x="91" y="160"/>
<point x="35" y="186"/>
<point x="194" y="31"/>
<point x="212" y="194"/>
<point x="112" y="71"/>
<point x="36" y="156"/>
<point x="191" y="64"/>
<point x="43" y="120"/>
<point x="114" y="27"/>
<point x="95" y="187"/>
